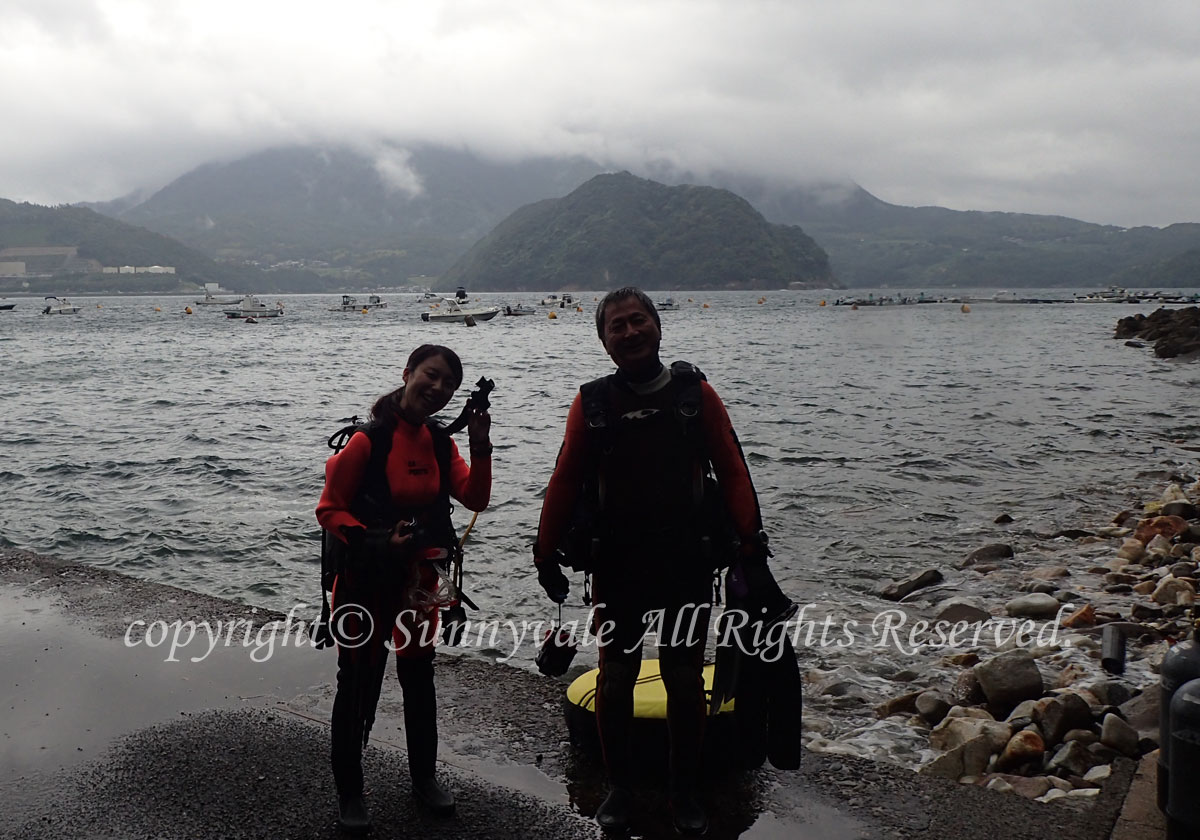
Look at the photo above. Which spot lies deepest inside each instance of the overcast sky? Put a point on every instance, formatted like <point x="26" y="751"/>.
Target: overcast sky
<point x="1089" y="108"/>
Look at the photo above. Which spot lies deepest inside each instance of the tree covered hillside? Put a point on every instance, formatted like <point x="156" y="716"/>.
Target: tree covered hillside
<point x="620" y="229"/>
<point x="109" y="243"/>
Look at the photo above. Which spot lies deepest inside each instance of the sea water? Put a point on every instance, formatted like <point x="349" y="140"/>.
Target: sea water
<point x="190" y="449"/>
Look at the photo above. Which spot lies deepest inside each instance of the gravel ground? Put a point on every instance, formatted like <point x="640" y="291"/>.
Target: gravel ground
<point x="105" y="741"/>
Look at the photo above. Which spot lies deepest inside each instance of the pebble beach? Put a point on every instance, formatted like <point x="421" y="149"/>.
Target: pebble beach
<point x="1075" y="625"/>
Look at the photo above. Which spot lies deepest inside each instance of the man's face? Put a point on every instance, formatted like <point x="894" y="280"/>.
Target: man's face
<point x="631" y="336"/>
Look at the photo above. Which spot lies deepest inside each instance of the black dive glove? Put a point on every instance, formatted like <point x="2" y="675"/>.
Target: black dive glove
<point x="552" y="579"/>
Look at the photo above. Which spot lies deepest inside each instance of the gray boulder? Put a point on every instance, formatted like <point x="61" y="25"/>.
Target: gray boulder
<point x="1009" y="678"/>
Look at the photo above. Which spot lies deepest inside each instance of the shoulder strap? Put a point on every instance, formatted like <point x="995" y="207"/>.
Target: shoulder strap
<point x="686" y="379"/>
<point x="594" y="397"/>
<point x="441" y="454"/>
<point x="375" y="489"/>
<point x="373" y="499"/>
<point x="441" y="507"/>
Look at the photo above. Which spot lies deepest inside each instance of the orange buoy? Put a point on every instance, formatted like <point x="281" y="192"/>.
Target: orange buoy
<point x="187" y="310"/>
<point x="552" y="315"/>
<point x="705" y="306"/>
<point x="966" y="308"/>
<point x="853" y="307"/>
<point x="822" y="303"/>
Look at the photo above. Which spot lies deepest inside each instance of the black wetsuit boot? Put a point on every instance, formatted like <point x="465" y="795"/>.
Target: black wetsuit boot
<point x="420" y="729"/>
<point x="346" y="742"/>
<point x="684" y="680"/>
<point x="614" y="719"/>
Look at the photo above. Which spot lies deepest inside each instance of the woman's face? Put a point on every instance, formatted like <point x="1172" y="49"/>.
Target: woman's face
<point x="428" y="387"/>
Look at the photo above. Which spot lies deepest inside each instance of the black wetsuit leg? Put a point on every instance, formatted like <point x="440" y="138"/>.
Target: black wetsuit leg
<point x="620" y="656"/>
<point x="681" y="656"/>
<point x="420" y="713"/>
<point x="346" y="729"/>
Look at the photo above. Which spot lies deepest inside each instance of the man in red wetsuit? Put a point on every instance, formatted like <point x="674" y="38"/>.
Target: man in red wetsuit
<point x="650" y="574"/>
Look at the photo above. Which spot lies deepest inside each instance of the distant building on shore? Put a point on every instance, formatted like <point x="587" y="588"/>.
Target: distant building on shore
<point x="138" y="269"/>
<point x="43" y="260"/>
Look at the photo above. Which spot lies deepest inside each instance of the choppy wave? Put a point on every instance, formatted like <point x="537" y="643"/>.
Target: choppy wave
<point x="191" y="449"/>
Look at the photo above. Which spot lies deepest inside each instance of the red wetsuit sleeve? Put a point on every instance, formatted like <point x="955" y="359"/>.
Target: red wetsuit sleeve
<point x="471" y="485"/>
<point x="343" y="474"/>
<point x="565" y="483"/>
<point x="729" y="463"/>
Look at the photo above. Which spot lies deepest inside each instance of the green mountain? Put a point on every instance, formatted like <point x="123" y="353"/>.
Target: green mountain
<point x="624" y="230"/>
<point x="358" y="222"/>
<point x="351" y="218"/>
<point x="100" y="241"/>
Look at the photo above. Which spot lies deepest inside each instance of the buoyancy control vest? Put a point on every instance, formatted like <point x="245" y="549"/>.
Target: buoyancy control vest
<point x="648" y="474"/>
<point x="373" y="506"/>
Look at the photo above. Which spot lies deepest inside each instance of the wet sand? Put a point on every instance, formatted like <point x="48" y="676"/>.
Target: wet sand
<point x="103" y="738"/>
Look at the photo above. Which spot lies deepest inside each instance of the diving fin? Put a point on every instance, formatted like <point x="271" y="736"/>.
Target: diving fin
<point x="785" y="706"/>
<point x="750" y="710"/>
<point x="725" y="667"/>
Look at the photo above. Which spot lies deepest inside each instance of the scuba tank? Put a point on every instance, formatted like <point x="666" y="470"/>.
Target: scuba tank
<point x="1180" y="665"/>
<point x="1183" y="807"/>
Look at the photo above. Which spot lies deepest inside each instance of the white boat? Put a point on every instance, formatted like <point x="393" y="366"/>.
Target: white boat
<point x="1113" y="294"/>
<point x="350" y="304"/>
<point x="252" y="307"/>
<point x="519" y="309"/>
<point x="451" y="309"/>
<point x="565" y="299"/>
<point x="59" y="306"/>
<point x="668" y="305"/>
<point x="210" y="300"/>
<point x="428" y="296"/>
<point x="5" y="307"/>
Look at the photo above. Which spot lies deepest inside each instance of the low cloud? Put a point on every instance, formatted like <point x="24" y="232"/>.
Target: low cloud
<point x="1072" y="108"/>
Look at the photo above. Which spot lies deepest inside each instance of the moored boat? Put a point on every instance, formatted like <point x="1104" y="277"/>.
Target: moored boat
<point x="565" y="299"/>
<point x="668" y="305"/>
<point x="59" y="306"/>
<point x="1113" y="294"/>
<point x="519" y="309"/>
<point x="451" y="309"/>
<point x="251" y="307"/>
<point x="350" y="304"/>
<point x="211" y="300"/>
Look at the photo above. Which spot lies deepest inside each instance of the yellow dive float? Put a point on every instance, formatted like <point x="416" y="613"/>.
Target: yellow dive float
<point x="649" y="716"/>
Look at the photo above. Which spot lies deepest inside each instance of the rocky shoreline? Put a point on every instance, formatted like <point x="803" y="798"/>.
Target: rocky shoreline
<point x="1047" y="712"/>
<point x="1174" y="332"/>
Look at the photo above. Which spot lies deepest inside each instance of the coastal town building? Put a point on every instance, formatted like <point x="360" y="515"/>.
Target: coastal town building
<point x="44" y="260"/>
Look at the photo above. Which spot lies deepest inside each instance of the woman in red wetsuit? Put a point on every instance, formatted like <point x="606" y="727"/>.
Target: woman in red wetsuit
<point x="393" y="513"/>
